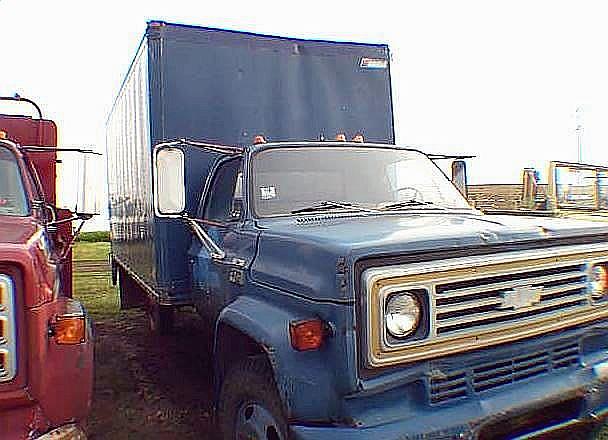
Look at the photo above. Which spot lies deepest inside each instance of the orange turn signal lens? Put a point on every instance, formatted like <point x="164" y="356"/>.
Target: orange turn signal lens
<point x="69" y="330"/>
<point x="599" y="280"/>
<point x="359" y="138"/>
<point x="259" y="139"/>
<point x="307" y="335"/>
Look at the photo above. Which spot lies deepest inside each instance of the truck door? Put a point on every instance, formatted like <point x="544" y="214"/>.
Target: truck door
<point x="221" y="213"/>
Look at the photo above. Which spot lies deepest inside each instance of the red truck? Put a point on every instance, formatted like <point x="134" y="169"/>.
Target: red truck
<point x="46" y="338"/>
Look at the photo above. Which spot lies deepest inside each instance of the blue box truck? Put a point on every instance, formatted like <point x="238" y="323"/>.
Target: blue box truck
<point x="350" y="290"/>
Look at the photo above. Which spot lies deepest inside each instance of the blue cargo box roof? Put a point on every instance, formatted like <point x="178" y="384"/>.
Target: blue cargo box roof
<point x="226" y="87"/>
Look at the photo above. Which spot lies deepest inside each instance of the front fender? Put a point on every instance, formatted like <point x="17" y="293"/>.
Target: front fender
<point x="305" y="380"/>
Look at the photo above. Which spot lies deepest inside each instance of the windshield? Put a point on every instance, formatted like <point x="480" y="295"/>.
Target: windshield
<point x="12" y="195"/>
<point x="301" y="179"/>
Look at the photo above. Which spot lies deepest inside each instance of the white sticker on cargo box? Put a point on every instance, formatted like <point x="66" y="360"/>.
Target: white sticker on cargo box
<point x="268" y="192"/>
<point x="373" y="63"/>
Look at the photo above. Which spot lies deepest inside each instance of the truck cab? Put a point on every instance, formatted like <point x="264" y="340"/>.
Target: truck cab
<point x="353" y="292"/>
<point x="349" y="289"/>
<point x="46" y="340"/>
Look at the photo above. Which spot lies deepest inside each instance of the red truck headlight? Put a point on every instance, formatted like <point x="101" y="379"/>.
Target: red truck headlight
<point x="8" y="348"/>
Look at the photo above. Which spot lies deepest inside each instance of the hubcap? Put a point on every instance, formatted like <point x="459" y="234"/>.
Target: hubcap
<point x="254" y="422"/>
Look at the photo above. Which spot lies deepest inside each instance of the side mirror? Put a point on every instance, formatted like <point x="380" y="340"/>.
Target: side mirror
<point x="48" y="212"/>
<point x="79" y="174"/>
<point x="169" y="183"/>
<point x="459" y="176"/>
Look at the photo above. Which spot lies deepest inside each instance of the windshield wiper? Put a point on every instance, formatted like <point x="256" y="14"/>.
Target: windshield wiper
<point x="410" y="204"/>
<point x="325" y="205"/>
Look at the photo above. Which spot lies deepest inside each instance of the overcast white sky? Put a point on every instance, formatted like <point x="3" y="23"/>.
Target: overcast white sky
<point x="500" y="80"/>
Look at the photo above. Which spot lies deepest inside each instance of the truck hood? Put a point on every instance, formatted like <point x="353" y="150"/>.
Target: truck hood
<point x="307" y="255"/>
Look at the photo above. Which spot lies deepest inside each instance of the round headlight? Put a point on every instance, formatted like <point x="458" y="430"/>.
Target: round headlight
<point x="599" y="280"/>
<point x="402" y="314"/>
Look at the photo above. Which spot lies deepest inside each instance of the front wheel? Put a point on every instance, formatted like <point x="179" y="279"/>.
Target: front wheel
<point x="249" y="405"/>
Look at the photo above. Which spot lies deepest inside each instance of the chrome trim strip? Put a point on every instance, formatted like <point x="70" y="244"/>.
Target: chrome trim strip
<point x="467" y="304"/>
<point x="510" y="284"/>
<point x="484" y="316"/>
<point x="479" y="260"/>
<point x="8" y="343"/>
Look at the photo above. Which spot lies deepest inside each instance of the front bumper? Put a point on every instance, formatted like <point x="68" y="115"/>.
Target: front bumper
<point x="66" y="432"/>
<point x="547" y="404"/>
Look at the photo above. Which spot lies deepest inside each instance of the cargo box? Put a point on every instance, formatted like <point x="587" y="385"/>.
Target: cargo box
<point x="225" y="87"/>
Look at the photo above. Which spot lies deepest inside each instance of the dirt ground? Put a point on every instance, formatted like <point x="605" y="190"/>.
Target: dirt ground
<point x="149" y="387"/>
<point x="146" y="387"/>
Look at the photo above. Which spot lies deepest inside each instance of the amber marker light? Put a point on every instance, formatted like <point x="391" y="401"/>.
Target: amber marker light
<point x="3" y="295"/>
<point x="599" y="280"/>
<point x="307" y="335"/>
<point x="69" y="330"/>
<point x="358" y="138"/>
<point x="259" y="139"/>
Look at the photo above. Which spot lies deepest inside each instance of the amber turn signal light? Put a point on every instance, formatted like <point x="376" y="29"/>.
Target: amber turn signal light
<point x="307" y="335"/>
<point x="599" y="280"/>
<point x="69" y="330"/>
<point x="259" y="139"/>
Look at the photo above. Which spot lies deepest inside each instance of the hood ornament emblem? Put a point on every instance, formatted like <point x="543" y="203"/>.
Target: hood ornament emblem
<point x="521" y="297"/>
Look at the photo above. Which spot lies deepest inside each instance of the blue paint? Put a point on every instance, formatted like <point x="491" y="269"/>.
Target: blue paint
<point x="301" y="267"/>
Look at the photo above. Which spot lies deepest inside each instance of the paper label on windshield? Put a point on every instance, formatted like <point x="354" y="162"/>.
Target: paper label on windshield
<point x="268" y="192"/>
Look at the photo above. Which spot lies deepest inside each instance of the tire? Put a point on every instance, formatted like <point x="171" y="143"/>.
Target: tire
<point x="161" y="319"/>
<point x="249" y="404"/>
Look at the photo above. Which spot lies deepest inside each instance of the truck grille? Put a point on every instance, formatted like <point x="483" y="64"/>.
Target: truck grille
<point x="484" y="377"/>
<point x="7" y="329"/>
<point x="479" y="301"/>
<point x="468" y="305"/>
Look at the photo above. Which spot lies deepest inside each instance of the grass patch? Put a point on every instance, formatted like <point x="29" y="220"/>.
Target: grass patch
<point x="94" y="288"/>
<point x="97" y="294"/>
<point x="91" y="251"/>
<point x="94" y="236"/>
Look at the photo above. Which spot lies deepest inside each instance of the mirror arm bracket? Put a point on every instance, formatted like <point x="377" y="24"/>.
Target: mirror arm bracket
<point x="214" y="250"/>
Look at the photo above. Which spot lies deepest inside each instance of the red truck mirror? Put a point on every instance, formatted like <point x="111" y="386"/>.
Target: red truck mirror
<point x="79" y="172"/>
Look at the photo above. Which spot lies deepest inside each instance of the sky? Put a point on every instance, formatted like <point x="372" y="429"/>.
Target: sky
<point x="501" y="80"/>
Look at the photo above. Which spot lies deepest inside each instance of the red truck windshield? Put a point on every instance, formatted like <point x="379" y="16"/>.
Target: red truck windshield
<point x="12" y="195"/>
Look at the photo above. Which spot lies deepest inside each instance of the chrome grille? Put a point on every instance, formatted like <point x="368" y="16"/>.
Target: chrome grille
<point x="3" y="365"/>
<point x="457" y="384"/>
<point x="481" y="301"/>
<point x="468" y="305"/>
<point x="7" y="329"/>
